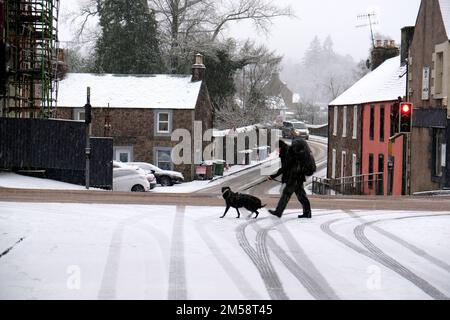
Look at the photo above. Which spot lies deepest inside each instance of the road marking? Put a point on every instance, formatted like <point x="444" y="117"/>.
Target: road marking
<point x="177" y="271"/>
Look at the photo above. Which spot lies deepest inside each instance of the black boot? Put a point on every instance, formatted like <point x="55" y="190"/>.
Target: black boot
<point x="306" y="215"/>
<point x="275" y="213"/>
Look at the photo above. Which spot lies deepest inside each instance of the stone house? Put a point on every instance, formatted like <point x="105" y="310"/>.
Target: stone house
<point x="429" y="87"/>
<point x="140" y="112"/>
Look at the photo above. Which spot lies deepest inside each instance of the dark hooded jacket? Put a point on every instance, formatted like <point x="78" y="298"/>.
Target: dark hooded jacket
<point x="297" y="162"/>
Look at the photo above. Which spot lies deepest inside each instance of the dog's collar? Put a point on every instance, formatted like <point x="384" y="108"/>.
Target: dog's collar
<point x="228" y="190"/>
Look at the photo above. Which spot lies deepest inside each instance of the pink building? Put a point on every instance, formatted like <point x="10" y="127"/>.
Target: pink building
<point x="364" y="145"/>
<point x="382" y="153"/>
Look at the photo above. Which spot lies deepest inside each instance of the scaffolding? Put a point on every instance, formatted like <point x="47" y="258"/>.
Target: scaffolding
<point x="31" y="43"/>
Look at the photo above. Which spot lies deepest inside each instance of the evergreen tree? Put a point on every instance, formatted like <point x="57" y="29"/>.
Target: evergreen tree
<point x="221" y="68"/>
<point x="128" y="43"/>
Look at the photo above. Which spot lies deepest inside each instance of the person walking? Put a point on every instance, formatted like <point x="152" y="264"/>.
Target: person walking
<point x="297" y="162"/>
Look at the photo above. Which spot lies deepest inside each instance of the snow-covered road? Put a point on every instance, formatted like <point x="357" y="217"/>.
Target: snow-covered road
<point x="75" y="251"/>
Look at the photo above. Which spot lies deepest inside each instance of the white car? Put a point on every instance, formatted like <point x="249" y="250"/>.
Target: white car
<point x="150" y="177"/>
<point x="126" y="180"/>
<point x="164" y="177"/>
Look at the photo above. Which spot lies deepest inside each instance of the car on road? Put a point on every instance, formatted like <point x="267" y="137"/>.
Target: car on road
<point x="120" y="181"/>
<point x="163" y="177"/>
<point x="295" y="129"/>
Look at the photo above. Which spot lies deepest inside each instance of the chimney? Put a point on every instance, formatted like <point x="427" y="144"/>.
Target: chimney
<point x="384" y="50"/>
<point x="198" y="69"/>
<point x="407" y="37"/>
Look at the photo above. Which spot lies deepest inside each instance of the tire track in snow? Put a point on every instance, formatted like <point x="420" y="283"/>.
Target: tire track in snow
<point x="177" y="271"/>
<point x="109" y="283"/>
<point x="108" y="286"/>
<point x="396" y="266"/>
<point x="262" y="263"/>
<point x="318" y="285"/>
<point x="261" y="260"/>
<point x="235" y="275"/>
<point x="389" y="263"/>
<point x="416" y="250"/>
<point x="302" y="276"/>
<point x="163" y="243"/>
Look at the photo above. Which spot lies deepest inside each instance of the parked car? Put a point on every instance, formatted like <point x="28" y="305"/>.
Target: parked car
<point x="126" y="180"/>
<point x="136" y="171"/>
<point x="295" y="129"/>
<point x="163" y="177"/>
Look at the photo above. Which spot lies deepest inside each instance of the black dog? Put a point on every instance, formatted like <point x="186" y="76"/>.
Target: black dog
<point x="237" y="200"/>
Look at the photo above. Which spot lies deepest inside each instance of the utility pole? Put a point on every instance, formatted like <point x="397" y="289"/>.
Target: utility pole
<point x="88" y="120"/>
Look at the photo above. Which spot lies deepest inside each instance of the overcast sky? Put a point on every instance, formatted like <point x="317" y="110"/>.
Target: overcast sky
<point x="337" y="18"/>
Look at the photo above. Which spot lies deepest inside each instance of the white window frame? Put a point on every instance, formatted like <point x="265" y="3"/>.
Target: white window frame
<point x="439" y="72"/>
<point x="333" y="164"/>
<point x="335" y="122"/>
<point x="159" y="121"/>
<point x="444" y="155"/>
<point x="127" y="150"/>
<point x="77" y="113"/>
<point x="354" y="168"/>
<point x="355" y="122"/>
<point x="344" y="123"/>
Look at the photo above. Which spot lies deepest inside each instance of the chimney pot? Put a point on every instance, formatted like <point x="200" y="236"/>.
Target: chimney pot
<point x="198" y="69"/>
<point x="198" y="59"/>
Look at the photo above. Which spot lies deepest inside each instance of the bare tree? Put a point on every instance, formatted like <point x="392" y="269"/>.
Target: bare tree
<point x="251" y="105"/>
<point x="189" y="25"/>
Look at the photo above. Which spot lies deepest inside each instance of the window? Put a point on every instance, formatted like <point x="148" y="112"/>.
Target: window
<point x="335" y="122"/>
<point x="79" y="115"/>
<point x="395" y="120"/>
<point x="370" y="170"/>
<point x="439" y="147"/>
<point x="439" y="73"/>
<point x="354" y="168"/>
<point x="355" y="122"/>
<point x="372" y="122"/>
<point x="333" y="165"/>
<point x="123" y="154"/>
<point x="163" y="158"/>
<point x="382" y="114"/>
<point x="344" y="164"/>
<point x="344" y="124"/>
<point x="163" y="122"/>
<point x="380" y="178"/>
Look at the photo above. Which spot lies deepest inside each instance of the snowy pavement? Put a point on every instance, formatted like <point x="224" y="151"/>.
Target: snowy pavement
<point x="17" y="181"/>
<point x="74" y="251"/>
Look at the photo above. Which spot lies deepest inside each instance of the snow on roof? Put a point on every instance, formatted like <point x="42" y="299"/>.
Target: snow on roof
<point x="445" y="11"/>
<point x="386" y="83"/>
<point x="277" y="103"/>
<point x="129" y="91"/>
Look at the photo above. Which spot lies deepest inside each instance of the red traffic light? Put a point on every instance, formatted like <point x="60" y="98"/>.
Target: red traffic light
<point x="406" y="108"/>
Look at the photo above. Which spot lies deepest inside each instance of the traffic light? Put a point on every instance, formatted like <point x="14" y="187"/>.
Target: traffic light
<point x="406" y="110"/>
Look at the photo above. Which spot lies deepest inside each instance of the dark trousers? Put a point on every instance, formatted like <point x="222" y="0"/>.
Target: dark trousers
<point x="288" y="191"/>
